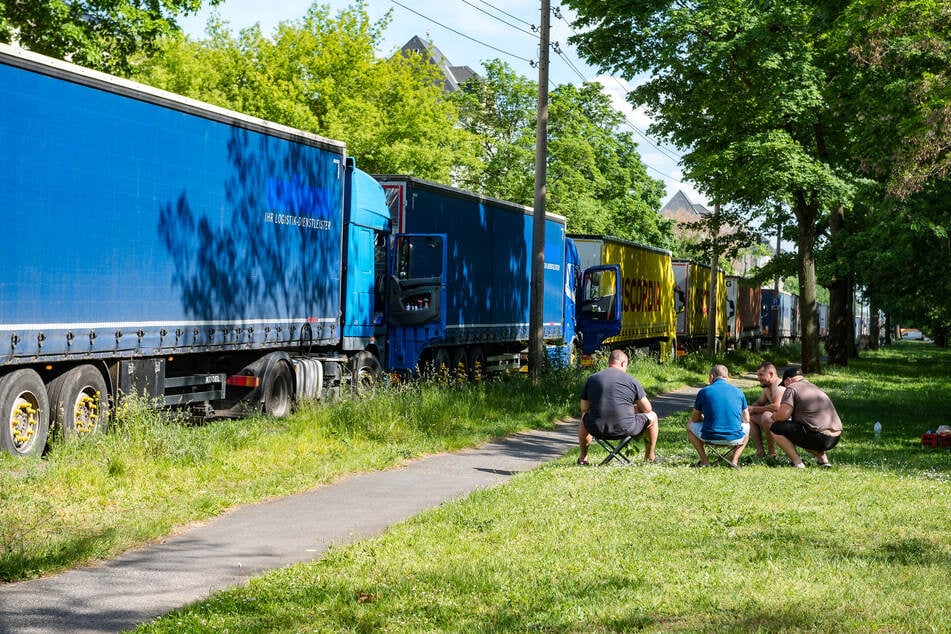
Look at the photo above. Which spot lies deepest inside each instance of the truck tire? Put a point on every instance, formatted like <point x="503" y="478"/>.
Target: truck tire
<point x="79" y="402"/>
<point x="24" y="413"/>
<point x="365" y="374"/>
<point x="278" y="390"/>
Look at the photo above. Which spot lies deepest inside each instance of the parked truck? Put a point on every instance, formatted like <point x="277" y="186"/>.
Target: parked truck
<point x="203" y="258"/>
<point x="488" y="279"/>
<point x="162" y="246"/>
<point x="780" y="317"/>
<point x="691" y="302"/>
<point x="822" y="314"/>
<point x="645" y="317"/>
<point x="743" y="301"/>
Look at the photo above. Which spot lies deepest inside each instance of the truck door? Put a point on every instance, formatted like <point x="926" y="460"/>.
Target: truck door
<point x="599" y="306"/>
<point x="416" y="298"/>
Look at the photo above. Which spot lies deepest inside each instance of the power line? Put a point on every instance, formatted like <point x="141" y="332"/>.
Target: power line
<point x="448" y="28"/>
<point x="495" y="17"/>
<point x="557" y="49"/>
<point x="626" y="120"/>
<point x="666" y="152"/>
<point x="514" y="17"/>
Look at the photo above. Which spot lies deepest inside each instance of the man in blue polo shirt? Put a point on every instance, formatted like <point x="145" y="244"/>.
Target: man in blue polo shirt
<point x="721" y="416"/>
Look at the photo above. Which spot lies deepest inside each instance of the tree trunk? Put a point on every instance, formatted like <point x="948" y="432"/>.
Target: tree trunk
<point x="806" y="263"/>
<point x="712" y="290"/>
<point x="840" y="294"/>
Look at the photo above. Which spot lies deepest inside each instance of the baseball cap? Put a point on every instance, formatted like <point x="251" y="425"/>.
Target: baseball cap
<point x="791" y="372"/>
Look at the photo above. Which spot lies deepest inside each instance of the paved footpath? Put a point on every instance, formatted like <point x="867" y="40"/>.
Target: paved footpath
<point x="142" y="584"/>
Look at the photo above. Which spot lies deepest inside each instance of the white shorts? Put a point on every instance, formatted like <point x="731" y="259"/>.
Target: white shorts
<point x="695" y="429"/>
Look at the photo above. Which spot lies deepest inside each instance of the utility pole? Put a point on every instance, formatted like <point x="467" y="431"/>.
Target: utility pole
<point x="712" y="299"/>
<point x="536" y="326"/>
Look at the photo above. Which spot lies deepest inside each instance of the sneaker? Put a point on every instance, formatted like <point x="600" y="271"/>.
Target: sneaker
<point x="800" y="465"/>
<point x="825" y="465"/>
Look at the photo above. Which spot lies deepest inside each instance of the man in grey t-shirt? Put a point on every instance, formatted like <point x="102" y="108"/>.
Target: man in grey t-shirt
<point x="614" y="404"/>
<point x="806" y="418"/>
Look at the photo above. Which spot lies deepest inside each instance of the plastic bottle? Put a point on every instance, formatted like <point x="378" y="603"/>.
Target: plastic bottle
<point x="878" y="431"/>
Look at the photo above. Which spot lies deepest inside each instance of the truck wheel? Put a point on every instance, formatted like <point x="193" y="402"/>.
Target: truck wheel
<point x="79" y="402"/>
<point x="278" y="390"/>
<point x="24" y="413"/>
<point x="476" y="365"/>
<point x="366" y="373"/>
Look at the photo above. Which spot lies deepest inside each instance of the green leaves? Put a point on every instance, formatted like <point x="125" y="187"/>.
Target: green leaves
<point x="321" y="74"/>
<point x="107" y="35"/>
<point x="596" y="178"/>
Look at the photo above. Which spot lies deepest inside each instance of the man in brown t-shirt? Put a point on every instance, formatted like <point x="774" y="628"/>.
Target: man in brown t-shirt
<point x="806" y="418"/>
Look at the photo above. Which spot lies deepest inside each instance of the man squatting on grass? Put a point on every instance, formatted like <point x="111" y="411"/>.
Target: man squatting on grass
<point x="724" y="414"/>
<point x="763" y="409"/>
<point x="613" y="404"/>
<point x="806" y="418"/>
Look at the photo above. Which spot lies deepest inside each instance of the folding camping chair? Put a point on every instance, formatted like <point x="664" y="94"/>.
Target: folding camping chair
<point x="722" y="449"/>
<point x="615" y="447"/>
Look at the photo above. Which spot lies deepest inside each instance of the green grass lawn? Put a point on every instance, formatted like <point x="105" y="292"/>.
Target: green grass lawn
<point x="154" y="473"/>
<point x="863" y="547"/>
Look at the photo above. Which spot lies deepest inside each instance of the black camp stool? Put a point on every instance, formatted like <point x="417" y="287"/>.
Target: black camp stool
<point x="721" y="450"/>
<point x="615" y="447"/>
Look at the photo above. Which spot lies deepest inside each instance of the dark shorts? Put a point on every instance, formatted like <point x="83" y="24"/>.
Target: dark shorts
<point x="635" y="428"/>
<point x="803" y="436"/>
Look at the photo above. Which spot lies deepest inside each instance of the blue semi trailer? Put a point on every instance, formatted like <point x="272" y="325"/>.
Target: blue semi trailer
<point x="162" y="246"/>
<point x="488" y="275"/>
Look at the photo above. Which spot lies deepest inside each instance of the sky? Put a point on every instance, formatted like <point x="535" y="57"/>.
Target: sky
<point x="469" y="32"/>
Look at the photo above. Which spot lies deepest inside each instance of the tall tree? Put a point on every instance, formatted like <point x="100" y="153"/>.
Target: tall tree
<point x="741" y="84"/>
<point x="107" y="35"/>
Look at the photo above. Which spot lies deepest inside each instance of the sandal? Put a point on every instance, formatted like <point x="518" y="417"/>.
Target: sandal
<point x="700" y="465"/>
<point x="583" y="463"/>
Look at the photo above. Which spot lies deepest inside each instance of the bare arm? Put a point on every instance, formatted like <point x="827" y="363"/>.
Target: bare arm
<point x="756" y="406"/>
<point x="585" y="406"/>
<point x="643" y="406"/>
<point x="696" y="415"/>
<point x="768" y="401"/>
<point x="784" y="412"/>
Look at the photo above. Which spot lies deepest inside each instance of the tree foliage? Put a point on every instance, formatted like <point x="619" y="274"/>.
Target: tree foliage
<point x="898" y="90"/>
<point x="106" y="35"/>
<point x="596" y="178"/>
<point x="321" y="73"/>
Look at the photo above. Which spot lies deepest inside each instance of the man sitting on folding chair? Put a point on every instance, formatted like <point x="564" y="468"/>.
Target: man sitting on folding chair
<point x="614" y="410"/>
<point x="720" y="420"/>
